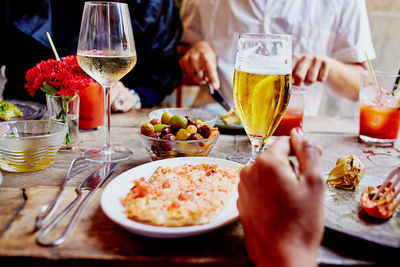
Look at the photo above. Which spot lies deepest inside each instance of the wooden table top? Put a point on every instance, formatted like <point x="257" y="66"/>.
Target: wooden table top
<point x="96" y="240"/>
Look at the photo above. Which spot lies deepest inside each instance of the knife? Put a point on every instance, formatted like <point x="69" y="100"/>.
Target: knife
<point x="91" y="183"/>
<point x="218" y="97"/>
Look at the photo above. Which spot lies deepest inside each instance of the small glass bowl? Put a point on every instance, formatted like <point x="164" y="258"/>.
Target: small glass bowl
<point x="30" y="145"/>
<point x="206" y="116"/>
<point x="162" y="149"/>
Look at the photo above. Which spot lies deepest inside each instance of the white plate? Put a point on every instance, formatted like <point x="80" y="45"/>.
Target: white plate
<point x="120" y="186"/>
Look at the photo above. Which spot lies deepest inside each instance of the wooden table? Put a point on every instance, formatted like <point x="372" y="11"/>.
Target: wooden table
<point x="97" y="241"/>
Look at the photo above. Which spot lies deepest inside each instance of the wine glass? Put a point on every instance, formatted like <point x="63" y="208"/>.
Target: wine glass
<point x="106" y="51"/>
<point x="262" y="84"/>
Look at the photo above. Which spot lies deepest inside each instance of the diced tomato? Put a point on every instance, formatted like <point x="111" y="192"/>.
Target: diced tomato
<point x="183" y="196"/>
<point x="165" y="184"/>
<point x="174" y="205"/>
<point x="140" y="188"/>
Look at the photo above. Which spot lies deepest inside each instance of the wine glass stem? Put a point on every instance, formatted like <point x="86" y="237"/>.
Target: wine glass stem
<point x="256" y="148"/>
<point x="107" y="116"/>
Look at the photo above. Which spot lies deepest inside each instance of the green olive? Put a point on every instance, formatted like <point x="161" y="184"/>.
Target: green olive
<point x="147" y="129"/>
<point x="166" y="117"/>
<point x="178" y="122"/>
<point x="191" y="129"/>
<point x="182" y="135"/>
<point x="159" y="127"/>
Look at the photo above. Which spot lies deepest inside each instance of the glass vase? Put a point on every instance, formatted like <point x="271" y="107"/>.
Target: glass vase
<point x="65" y="109"/>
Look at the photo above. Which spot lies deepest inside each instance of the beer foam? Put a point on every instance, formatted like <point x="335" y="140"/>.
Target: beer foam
<point x="266" y="70"/>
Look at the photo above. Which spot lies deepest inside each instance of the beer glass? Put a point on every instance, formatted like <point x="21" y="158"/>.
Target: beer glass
<point x="261" y="85"/>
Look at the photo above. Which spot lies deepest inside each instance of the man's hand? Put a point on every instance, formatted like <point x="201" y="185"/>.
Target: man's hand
<point x="344" y="78"/>
<point x="199" y="64"/>
<point x="120" y="98"/>
<point x="310" y="68"/>
<point x="281" y="206"/>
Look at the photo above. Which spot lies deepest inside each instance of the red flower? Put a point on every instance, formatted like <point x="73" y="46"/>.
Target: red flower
<point x="57" y="77"/>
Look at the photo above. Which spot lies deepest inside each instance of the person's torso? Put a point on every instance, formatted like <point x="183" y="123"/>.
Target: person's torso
<point x="312" y="24"/>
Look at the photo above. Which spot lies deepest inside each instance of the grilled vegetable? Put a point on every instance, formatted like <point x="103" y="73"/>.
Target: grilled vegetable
<point x="347" y="173"/>
<point x="379" y="208"/>
<point x="8" y="111"/>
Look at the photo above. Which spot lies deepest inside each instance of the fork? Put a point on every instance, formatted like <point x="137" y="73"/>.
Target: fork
<point x="392" y="200"/>
<point x="77" y="166"/>
<point x="91" y="183"/>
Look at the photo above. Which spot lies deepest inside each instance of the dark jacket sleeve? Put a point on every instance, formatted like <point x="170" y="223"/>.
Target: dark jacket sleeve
<point x="157" y="31"/>
<point x="3" y="20"/>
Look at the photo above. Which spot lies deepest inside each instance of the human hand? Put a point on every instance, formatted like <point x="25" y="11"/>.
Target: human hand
<point x="310" y="68"/>
<point x="281" y="207"/>
<point x="120" y="98"/>
<point x="199" y="64"/>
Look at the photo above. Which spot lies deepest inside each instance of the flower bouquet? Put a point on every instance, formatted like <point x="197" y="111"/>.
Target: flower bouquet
<point x="62" y="81"/>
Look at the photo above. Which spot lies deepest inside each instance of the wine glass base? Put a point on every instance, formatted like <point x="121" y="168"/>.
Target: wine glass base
<point x="113" y="154"/>
<point x="241" y="158"/>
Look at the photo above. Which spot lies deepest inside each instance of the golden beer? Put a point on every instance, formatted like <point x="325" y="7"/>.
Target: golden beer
<point x="261" y="101"/>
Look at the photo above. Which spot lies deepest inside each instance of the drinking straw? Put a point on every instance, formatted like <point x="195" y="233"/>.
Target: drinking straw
<point x="371" y="70"/>
<point x="396" y="83"/>
<point x="52" y="46"/>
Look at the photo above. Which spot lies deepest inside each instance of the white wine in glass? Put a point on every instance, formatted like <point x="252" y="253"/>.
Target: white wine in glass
<point x="262" y="83"/>
<point x="106" y="51"/>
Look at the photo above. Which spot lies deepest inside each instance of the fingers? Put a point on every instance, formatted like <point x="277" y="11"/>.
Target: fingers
<point x="323" y="72"/>
<point x="300" y="69"/>
<point x="191" y="67"/>
<point x="309" y="69"/>
<point x="274" y="161"/>
<point x="211" y="70"/>
<point x="267" y="161"/>
<point x="117" y="104"/>
<point x="120" y="98"/>
<point x="199" y="64"/>
<point x="313" y="71"/>
<point x="308" y="156"/>
<point x="280" y="146"/>
<point x="115" y="91"/>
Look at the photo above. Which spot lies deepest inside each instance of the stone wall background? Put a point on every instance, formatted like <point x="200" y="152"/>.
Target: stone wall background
<point x="384" y="19"/>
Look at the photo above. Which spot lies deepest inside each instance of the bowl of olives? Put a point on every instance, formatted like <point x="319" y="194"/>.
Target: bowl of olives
<point x="176" y="135"/>
<point x="205" y="116"/>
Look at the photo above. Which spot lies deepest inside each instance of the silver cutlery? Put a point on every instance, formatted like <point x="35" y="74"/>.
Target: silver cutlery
<point x="218" y="97"/>
<point x="387" y="187"/>
<point x="77" y="166"/>
<point x="91" y="183"/>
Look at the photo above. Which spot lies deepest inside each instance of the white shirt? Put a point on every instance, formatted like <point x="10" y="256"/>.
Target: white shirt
<point x="337" y="28"/>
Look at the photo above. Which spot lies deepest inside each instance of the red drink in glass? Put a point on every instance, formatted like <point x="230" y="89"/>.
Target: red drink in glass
<point x="91" y="110"/>
<point x="294" y="114"/>
<point x="379" y="107"/>
<point x="379" y="122"/>
<point x="292" y="118"/>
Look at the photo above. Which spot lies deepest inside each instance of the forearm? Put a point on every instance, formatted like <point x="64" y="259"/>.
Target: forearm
<point x="344" y="78"/>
